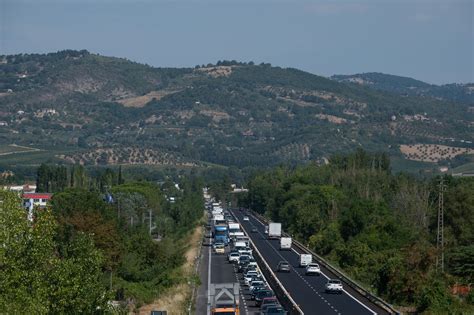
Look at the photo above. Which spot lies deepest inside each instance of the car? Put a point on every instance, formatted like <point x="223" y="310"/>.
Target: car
<point x="246" y="218"/>
<point x="244" y="259"/>
<point x="254" y="229"/>
<point x="249" y="275"/>
<point x="233" y="257"/>
<point x="251" y="279"/>
<point x="274" y="310"/>
<point x="219" y="248"/>
<point x="256" y="283"/>
<point x="260" y="295"/>
<point x="256" y="290"/>
<point x="233" y="250"/>
<point x="313" y="269"/>
<point x="243" y="267"/>
<point x="243" y="262"/>
<point x="248" y="267"/>
<point x="245" y="251"/>
<point x="283" y="266"/>
<point x="268" y="301"/>
<point x="334" y="286"/>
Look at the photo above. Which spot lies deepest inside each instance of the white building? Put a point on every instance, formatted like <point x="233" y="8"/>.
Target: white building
<point x="32" y="200"/>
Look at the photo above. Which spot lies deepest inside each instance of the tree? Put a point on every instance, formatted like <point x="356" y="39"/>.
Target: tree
<point x="35" y="277"/>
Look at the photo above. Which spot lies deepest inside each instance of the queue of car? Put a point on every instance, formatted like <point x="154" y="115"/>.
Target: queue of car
<point x="241" y="254"/>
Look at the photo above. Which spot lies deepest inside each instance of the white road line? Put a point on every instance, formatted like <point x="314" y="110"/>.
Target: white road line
<point x="350" y="295"/>
<point x="359" y="302"/>
<point x="209" y="284"/>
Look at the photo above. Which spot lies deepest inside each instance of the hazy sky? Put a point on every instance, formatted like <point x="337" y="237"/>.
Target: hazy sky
<point x="427" y="40"/>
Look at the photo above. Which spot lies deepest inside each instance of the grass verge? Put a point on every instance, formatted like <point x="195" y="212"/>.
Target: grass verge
<point x="177" y="298"/>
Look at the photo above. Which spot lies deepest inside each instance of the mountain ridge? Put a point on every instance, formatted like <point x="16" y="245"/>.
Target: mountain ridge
<point x="459" y="92"/>
<point x="231" y="113"/>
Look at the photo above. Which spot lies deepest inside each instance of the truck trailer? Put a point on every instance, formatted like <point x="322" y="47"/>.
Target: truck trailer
<point x="233" y="228"/>
<point x="224" y="298"/>
<point x="274" y="230"/>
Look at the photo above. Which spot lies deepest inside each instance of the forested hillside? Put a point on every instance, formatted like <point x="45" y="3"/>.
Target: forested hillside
<point x="78" y="107"/>
<point x="408" y="86"/>
<point x="378" y="227"/>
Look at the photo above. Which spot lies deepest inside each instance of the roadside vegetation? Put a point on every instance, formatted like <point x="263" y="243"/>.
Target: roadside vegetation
<point x="379" y="228"/>
<point x="96" y="243"/>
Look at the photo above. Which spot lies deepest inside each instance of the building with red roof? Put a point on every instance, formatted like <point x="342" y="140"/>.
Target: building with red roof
<point x="32" y="200"/>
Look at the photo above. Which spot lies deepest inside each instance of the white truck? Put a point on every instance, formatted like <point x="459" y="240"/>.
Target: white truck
<point x="218" y="211"/>
<point x="274" y="230"/>
<point x="233" y="229"/>
<point x="240" y="244"/>
<point x="305" y="259"/>
<point x="285" y="243"/>
<point x="218" y="218"/>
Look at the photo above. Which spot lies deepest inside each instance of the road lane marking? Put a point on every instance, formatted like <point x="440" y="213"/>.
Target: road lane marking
<point x="209" y="284"/>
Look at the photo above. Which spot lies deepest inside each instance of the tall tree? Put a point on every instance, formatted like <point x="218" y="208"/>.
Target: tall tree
<point x="34" y="278"/>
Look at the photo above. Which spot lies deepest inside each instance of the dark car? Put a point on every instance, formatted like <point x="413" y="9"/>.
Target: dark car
<point x="266" y="302"/>
<point x="256" y="290"/>
<point x="283" y="266"/>
<point x="243" y="262"/>
<point x="254" y="229"/>
<point x="274" y="310"/>
<point x="260" y="295"/>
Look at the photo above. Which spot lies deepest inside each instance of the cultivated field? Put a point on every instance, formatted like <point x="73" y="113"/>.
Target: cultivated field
<point x="432" y="152"/>
<point x="140" y="101"/>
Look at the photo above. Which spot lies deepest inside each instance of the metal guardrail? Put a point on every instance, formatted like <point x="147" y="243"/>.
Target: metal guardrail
<point x="283" y="296"/>
<point x="351" y="283"/>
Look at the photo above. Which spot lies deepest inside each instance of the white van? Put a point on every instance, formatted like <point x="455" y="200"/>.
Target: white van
<point x="240" y="245"/>
<point x="305" y="259"/>
<point x="285" y="243"/>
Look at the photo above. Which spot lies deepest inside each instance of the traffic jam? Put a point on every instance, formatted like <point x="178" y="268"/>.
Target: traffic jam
<point x="229" y="239"/>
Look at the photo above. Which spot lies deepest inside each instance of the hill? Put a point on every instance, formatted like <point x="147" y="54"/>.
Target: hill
<point x="408" y="86"/>
<point x="80" y="107"/>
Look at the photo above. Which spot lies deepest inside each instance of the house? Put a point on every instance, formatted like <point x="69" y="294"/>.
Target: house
<point x="32" y="200"/>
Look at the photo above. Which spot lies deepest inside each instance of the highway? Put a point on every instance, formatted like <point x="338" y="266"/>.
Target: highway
<point x="307" y="291"/>
<point x="214" y="268"/>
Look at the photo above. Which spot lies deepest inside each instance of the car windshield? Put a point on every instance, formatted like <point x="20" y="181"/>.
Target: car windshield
<point x="313" y="265"/>
<point x="269" y="301"/>
<point x="334" y="282"/>
<point x="219" y="245"/>
<point x="275" y="311"/>
<point x="284" y="264"/>
<point x="265" y="293"/>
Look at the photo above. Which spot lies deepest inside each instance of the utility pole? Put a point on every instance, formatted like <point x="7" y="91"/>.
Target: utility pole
<point x="149" y="211"/>
<point x="440" y="236"/>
